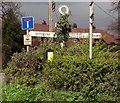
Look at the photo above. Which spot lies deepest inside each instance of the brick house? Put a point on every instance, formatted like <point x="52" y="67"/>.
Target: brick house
<point x="109" y="39"/>
<point x="39" y="27"/>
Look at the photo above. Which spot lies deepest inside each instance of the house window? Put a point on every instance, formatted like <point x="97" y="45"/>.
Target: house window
<point x="74" y="40"/>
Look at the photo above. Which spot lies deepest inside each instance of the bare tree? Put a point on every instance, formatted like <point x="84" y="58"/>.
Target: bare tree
<point x="115" y="5"/>
<point x="115" y="26"/>
<point x="6" y="6"/>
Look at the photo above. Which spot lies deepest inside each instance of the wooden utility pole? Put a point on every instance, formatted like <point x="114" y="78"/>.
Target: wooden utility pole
<point x="50" y="15"/>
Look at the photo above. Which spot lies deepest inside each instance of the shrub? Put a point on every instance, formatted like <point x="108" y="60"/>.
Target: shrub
<point x="40" y="93"/>
<point x="6" y="53"/>
<point x="25" y="68"/>
<point x="19" y="93"/>
<point x="71" y="70"/>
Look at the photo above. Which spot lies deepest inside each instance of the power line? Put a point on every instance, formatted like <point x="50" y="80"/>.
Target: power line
<point x="56" y="15"/>
<point x="104" y="11"/>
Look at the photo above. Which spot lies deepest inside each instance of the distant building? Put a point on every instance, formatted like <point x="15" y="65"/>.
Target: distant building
<point x="109" y="39"/>
<point x="39" y="27"/>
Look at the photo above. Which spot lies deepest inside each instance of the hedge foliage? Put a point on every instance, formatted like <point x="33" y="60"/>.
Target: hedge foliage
<point x="70" y="72"/>
<point x="25" y="68"/>
<point x="38" y="93"/>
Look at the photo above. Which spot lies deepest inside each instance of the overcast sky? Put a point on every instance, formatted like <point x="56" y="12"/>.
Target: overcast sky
<point x="79" y="10"/>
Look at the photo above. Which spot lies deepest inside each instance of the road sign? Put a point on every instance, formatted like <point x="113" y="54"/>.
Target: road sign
<point x="27" y="22"/>
<point x="27" y="40"/>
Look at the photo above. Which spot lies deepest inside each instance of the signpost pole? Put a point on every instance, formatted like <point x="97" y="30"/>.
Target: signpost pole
<point x="27" y="34"/>
<point x="91" y="26"/>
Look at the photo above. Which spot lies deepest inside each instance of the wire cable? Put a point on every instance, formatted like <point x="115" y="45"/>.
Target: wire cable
<point x="56" y="15"/>
<point x="104" y="11"/>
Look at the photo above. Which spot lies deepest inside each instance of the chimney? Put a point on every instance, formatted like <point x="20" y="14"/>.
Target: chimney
<point x="74" y="25"/>
<point x="44" y="22"/>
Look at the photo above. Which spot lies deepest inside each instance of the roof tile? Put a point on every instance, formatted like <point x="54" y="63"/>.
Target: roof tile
<point x="108" y="38"/>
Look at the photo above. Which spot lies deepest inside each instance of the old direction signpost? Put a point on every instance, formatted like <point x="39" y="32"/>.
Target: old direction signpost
<point x="71" y="35"/>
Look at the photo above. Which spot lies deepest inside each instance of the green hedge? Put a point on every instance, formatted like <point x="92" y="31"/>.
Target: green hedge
<point x="25" y="68"/>
<point x="71" y="71"/>
<point x="39" y="93"/>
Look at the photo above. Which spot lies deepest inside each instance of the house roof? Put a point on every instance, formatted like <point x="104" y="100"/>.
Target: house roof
<point x="41" y="27"/>
<point x="116" y="38"/>
<point x="108" y="38"/>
